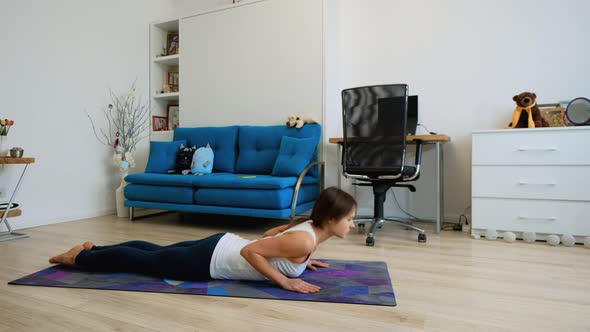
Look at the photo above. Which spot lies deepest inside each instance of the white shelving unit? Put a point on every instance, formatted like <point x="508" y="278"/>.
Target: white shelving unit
<point x="168" y="60"/>
<point x="160" y="65"/>
<point x="167" y="96"/>
<point x="162" y="136"/>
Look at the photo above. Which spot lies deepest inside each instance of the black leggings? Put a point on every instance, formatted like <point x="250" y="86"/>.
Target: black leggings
<point x="188" y="260"/>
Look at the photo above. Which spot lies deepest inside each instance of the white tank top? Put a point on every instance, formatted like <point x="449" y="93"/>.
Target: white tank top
<point x="227" y="263"/>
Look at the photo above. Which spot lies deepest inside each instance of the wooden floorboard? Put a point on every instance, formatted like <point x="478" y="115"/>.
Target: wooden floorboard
<point x="451" y="283"/>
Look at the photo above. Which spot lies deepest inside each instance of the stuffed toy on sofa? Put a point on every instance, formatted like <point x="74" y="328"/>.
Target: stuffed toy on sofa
<point x="298" y="121"/>
<point x="184" y="159"/>
<point x="527" y="114"/>
<point x="203" y="160"/>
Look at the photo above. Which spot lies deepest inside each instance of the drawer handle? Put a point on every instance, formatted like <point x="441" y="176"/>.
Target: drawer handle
<point x="525" y="183"/>
<point x="525" y="148"/>
<point x="531" y="218"/>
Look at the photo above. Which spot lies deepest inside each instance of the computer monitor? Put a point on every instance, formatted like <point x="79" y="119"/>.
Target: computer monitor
<point x="412" y="121"/>
<point x="386" y="116"/>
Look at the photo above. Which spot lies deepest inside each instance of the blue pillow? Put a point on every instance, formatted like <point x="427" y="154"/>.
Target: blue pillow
<point x="294" y="155"/>
<point x="163" y="156"/>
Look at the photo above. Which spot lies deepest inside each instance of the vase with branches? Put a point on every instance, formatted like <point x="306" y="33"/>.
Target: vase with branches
<point x="127" y="117"/>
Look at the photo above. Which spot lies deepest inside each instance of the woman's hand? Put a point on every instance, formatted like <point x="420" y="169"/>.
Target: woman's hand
<point x="313" y="264"/>
<point x="300" y="286"/>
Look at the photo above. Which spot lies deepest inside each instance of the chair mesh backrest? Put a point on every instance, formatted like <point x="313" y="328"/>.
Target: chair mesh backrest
<point x="374" y="121"/>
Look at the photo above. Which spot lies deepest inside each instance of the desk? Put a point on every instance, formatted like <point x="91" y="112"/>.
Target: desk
<point x="437" y="140"/>
<point x="10" y="234"/>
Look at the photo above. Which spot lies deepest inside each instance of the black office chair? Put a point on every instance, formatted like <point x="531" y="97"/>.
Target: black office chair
<point x="374" y="147"/>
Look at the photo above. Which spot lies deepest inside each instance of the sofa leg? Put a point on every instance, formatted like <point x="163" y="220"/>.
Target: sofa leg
<point x="131" y="210"/>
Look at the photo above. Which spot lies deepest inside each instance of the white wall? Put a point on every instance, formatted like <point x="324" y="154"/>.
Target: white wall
<point x="58" y="58"/>
<point x="466" y="59"/>
<point x="191" y="7"/>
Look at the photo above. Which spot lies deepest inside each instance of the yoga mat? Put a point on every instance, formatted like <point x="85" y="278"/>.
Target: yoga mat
<point x="358" y="282"/>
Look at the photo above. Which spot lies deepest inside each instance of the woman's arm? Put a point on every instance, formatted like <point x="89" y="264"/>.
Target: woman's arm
<point x="290" y="245"/>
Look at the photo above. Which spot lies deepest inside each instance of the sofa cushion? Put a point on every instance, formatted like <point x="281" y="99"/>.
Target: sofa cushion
<point x="254" y="198"/>
<point x="259" y="145"/>
<point x="218" y="180"/>
<point x="176" y="180"/>
<point x="247" y="181"/>
<point x="225" y="210"/>
<point x="163" y="194"/>
<point x="294" y="155"/>
<point x="162" y="157"/>
<point x="223" y="141"/>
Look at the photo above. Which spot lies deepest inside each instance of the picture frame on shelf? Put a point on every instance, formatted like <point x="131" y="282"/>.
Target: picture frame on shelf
<point x="173" y="117"/>
<point x="172" y="46"/>
<point x="172" y="80"/>
<point x="554" y="114"/>
<point x="159" y="123"/>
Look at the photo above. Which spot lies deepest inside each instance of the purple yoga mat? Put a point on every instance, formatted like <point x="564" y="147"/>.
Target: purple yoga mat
<point x="358" y="282"/>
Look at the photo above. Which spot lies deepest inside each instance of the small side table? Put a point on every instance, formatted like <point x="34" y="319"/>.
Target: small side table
<point x="8" y="213"/>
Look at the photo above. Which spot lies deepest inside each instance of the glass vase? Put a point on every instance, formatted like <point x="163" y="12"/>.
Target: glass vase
<point x="122" y="210"/>
<point x="3" y="146"/>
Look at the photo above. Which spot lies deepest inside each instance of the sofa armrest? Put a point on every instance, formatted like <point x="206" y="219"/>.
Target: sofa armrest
<point x="320" y="164"/>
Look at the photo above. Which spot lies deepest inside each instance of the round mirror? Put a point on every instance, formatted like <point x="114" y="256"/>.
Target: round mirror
<point x="578" y="111"/>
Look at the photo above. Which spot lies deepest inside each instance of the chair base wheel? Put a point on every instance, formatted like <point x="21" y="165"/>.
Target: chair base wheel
<point x="370" y="241"/>
<point x="421" y="237"/>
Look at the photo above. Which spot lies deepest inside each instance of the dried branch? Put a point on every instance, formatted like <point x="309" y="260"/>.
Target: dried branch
<point x="127" y="116"/>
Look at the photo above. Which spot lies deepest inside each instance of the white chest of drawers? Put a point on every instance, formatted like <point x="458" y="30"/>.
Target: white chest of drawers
<point x="531" y="180"/>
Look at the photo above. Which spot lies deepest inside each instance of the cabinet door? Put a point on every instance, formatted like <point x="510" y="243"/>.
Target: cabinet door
<point x="537" y="182"/>
<point x="532" y="147"/>
<point x="541" y="216"/>
<point x="255" y="63"/>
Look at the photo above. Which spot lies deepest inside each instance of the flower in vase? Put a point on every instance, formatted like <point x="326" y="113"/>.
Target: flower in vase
<point x="5" y="125"/>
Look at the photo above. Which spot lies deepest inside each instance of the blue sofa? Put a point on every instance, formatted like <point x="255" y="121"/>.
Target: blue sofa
<point x="241" y="183"/>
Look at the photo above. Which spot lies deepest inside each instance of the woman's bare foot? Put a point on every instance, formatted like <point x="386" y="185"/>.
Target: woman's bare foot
<point x="88" y="245"/>
<point x="68" y="257"/>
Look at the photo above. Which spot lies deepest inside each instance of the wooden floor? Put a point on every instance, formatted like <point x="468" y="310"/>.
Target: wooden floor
<point x="451" y="283"/>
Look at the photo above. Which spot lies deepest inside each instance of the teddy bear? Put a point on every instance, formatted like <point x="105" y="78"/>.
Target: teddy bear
<point x="298" y="121"/>
<point x="527" y="114"/>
